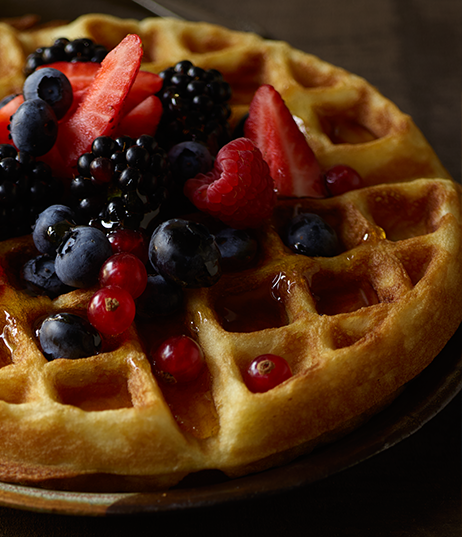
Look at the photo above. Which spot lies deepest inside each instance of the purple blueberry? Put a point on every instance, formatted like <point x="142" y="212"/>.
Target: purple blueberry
<point x="66" y="335"/>
<point x="40" y="277"/>
<point x="311" y="235"/>
<point x="34" y="127"/>
<point x="161" y="297"/>
<point x="49" y="228"/>
<point x="51" y="86"/>
<point x="80" y="255"/>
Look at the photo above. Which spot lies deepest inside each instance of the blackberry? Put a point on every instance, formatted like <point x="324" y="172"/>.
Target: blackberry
<point x="196" y="107"/>
<point x="63" y="50"/>
<point x="120" y="181"/>
<point x="27" y="187"/>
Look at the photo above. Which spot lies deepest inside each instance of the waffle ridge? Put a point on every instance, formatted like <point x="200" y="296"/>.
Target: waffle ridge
<point x="354" y="327"/>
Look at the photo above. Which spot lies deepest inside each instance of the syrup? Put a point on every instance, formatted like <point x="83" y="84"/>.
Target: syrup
<point x="335" y="297"/>
<point x="255" y="309"/>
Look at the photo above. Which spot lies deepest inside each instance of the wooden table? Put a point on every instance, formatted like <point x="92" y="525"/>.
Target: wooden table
<point x="411" y="52"/>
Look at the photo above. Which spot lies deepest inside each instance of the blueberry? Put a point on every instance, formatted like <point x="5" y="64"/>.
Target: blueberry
<point x="45" y="238"/>
<point x="40" y="276"/>
<point x="52" y="86"/>
<point x="80" y="255"/>
<point x="310" y="235"/>
<point x="185" y="252"/>
<point x="66" y="335"/>
<point x="161" y="297"/>
<point x="237" y="247"/>
<point x="187" y="159"/>
<point x="34" y="127"/>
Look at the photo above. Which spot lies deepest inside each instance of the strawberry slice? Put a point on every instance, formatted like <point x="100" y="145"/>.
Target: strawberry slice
<point x="6" y="112"/>
<point x="145" y="84"/>
<point x="142" y="119"/>
<point x="292" y="163"/>
<point x="101" y="108"/>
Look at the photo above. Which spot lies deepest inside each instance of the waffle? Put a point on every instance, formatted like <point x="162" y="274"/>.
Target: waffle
<point x="355" y="328"/>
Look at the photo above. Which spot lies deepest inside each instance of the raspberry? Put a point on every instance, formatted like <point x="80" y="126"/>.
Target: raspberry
<point x="239" y="190"/>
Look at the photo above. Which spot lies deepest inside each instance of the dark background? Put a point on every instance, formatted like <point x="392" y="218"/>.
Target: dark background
<point x="410" y="50"/>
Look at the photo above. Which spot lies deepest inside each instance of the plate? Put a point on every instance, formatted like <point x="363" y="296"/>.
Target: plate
<point x="421" y="400"/>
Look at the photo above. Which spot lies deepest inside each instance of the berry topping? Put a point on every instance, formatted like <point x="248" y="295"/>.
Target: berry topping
<point x="80" y="255"/>
<point x="186" y="253"/>
<point x="124" y="270"/>
<point x="40" y="277"/>
<point x="238" y="248"/>
<point x="34" y="127"/>
<point x="66" y="335"/>
<point x="311" y="235"/>
<point x="131" y="241"/>
<point x="196" y="108"/>
<point x="161" y="297"/>
<point x="178" y="359"/>
<point x="340" y="179"/>
<point x="292" y="163"/>
<point x="78" y="50"/>
<point x="266" y="372"/>
<point x="111" y="310"/>
<point x="45" y="235"/>
<point x="187" y="159"/>
<point x="239" y="190"/>
<point x="53" y="87"/>
<point x="120" y="181"/>
<point x="101" y="107"/>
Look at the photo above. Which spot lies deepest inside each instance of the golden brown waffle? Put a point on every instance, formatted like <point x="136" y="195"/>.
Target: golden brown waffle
<point x="355" y="328"/>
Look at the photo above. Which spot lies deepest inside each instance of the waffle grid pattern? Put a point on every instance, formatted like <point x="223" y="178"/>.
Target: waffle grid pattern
<point x="354" y="327"/>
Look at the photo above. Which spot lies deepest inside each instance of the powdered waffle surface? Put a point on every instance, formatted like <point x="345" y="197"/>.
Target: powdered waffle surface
<point x="354" y="328"/>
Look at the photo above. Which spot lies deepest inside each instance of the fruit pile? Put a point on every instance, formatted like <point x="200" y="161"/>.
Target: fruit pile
<point x="106" y="160"/>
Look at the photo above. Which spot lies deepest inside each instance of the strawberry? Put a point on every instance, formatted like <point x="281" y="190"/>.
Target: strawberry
<point x="292" y="163"/>
<point x="6" y="111"/>
<point x="239" y="190"/>
<point x="142" y="119"/>
<point x="145" y="84"/>
<point x="101" y="108"/>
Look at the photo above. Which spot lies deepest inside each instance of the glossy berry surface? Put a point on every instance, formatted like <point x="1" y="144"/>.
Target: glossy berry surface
<point x="111" y="310"/>
<point x="124" y="270"/>
<point x="178" y="359"/>
<point x="34" y="127"/>
<point x="133" y="241"/>
<point x="308" y="234"/>
<point x="66" y="335"/>
<point x="43" y="234"/>
<point x="266" y="372"/>
<point x="40" y="277"/>
<point x="160" y="297"/>
<point x="185" y="252"/>
<point x="238" y="248"/>
<point x="340" y="179"/>
<point x="80" y="255"/>
<point x="52" y="86"/>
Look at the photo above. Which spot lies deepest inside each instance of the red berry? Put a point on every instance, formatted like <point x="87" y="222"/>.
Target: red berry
<point x="341" y="178"/>
<point x="124" y="270"/>
<point x="239" y="190"/>
<point x="111" y="310"/>
<point x="272" y="128"/>
<point x="129" y="240"/>
<point x="178" y="359"/>
<point x="266" y="372"/>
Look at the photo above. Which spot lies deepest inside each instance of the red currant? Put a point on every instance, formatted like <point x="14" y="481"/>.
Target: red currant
<point x="111" y="310"/>
<point x="129" y="240"/>
<point x="178" y="359"/>
<point x="340" y="179"/>
<point x="266" y="372"/>
<point x="124" y="270"/>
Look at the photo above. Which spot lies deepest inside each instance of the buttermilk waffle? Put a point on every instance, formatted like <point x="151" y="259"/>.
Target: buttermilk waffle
<point x="355" y="328"/>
